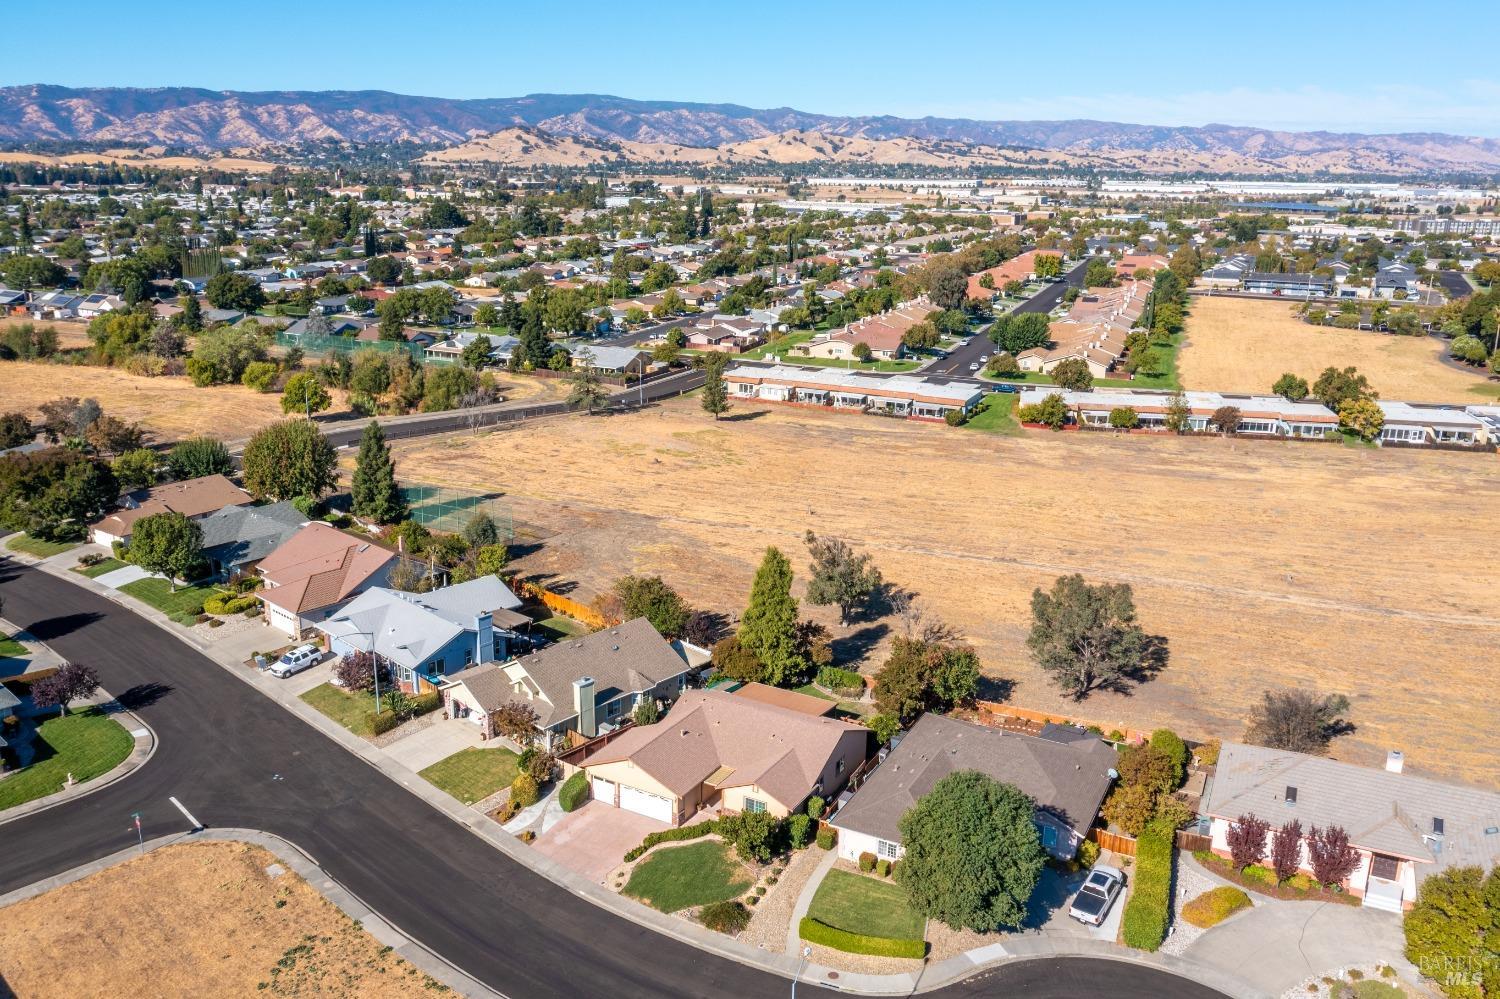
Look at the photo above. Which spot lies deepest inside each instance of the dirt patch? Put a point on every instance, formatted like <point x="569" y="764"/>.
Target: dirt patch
<point x="1262" y="564"/>
<point x="169" y="407"/>
<point x="198" y="919"/>
<point x="1241" y="345"/>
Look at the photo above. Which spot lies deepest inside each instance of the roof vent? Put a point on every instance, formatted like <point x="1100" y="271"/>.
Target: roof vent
<point x="1291" y="795"/>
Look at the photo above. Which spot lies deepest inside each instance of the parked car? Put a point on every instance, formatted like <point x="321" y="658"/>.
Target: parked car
<point x="296" y="660"/>
<point x="1091" y="903"/>
<point x="973" y="367"/>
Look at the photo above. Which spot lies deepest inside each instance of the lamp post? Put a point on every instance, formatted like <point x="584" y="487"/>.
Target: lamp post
<point x="375" y="657"/>
<point x="806" y="953"/>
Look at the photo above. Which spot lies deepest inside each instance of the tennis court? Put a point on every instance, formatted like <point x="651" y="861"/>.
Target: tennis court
<point x="441" y="508"/>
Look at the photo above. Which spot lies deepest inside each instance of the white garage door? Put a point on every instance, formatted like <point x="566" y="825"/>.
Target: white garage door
<point x="604" y="790"/>
<point x="653" y="806"/>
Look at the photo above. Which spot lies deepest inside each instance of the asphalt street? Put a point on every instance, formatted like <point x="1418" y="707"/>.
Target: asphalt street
<point x="958" y="361"/>
<point x="234" y="758"/>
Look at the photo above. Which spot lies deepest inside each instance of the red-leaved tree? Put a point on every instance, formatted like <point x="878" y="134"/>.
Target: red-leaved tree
<point x="1247" y="840"/>
<point x="1332" y="857"/>
<point x="355" y="671"/>
<point x="517" y="721"/>
<point x="70" y="682"/>
<point x="1286" y="850"/>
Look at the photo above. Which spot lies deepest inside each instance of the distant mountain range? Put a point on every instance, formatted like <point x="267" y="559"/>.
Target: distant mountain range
<point x="212" y="120"/>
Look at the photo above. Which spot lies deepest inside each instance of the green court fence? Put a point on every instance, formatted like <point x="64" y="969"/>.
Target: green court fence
<point x="320" y="346"/>
<point x="442" y="508"/>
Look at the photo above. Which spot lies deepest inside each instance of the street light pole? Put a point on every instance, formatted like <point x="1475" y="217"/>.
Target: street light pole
<point x="806" y="953"/>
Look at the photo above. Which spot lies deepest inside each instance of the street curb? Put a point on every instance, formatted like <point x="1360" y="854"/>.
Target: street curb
<point x="928" y="978"/>
<point x="304" y="866"/>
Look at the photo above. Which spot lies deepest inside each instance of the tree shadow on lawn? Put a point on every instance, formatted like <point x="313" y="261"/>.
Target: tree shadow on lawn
<point x="743" y="416"/>
<point x="996" y="689"/>
<point x="1155" y="657"/>
<point x="858" y="644"/>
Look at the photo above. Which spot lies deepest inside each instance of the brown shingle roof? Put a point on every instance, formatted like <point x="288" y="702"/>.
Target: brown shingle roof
<point x="191" y="498"/>
<point x="318" y="566"/>
<point x="779" y="697"/>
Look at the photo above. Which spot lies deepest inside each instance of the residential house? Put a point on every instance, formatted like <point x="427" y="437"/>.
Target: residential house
<point x="911" y="396"/>
<point x="727" y="335"/>
<point x="315" y="572"/>
<point x="882" y="333"/>
<point x="1396" y="280"/>
<point x="719" y="750"/>
<point x="426" y="637"/>
<point x="1290" y="285"/>
<point x="1065" y="770"/>
<point x="237" y="537"/>
<point x="195" y="499"/>
<point x="1415" y="423"/>
<point x="1405" y="827"/>
<point x="1130" y="263"/>
<point x="791" y="700"/>
<point x="579" y="687"/>
<point x="1229" y="272"/>
<point x="612" y="360"/>
<point x="1260" y="415"/>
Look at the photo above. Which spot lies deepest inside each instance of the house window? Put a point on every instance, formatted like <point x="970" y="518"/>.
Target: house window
<point x="887" y="849"/>
<point x="838" y="768"/>
<point x="754" y="805"/>
<point x="468" y="657"/>
<point x="1385" y="868"/>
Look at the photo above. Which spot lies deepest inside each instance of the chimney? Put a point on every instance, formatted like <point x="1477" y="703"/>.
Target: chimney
<point x="484" y="638"/>
<point x="1394" y="761"/>
<point x="583" y="703"/>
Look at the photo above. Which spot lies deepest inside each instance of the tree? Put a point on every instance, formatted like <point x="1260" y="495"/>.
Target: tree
<point x="516" y="720"/>
<point x="1335" y="386"/>
<point x="481" y="530"/>
<point x="355" y="671"/>
<point x="111" y="436"/>
<point x="1046" y="266"/>
<point x="651" y="598"/>
<point x="715" y="389"/>
<point x="220" y="356"/>
<point x="733" y="659"/>
<point x="1170" y="744"/>
<point x="1361" y="417"/>
<point x="228" y="290"/>
<point x="1004" y="365"/>
<point x="588" y="389"/>
<point x="1286" y="850"/>
<point x="884" y="727"/>
<point x="136" y="469"/>
<point x="489" y="560"/>
<point x="1290" y="386"/>
<point x="839" y="576"/>
<point x="68" y="418"/>
<point x="1453" y="930"/>
<point x="1179" y="414"/>
<point x="1086" y="636"/>
<point x="15" y="430"/>
<point x="477" y="354"/>
<point x="947" y="285"/>
<point x="921" y="676"/>
<point x="1050" y="412"/>
<point x="305" y="394"/>
<point x="1330" y="855"/>
<point x="1148" y="361"/>
<point x="290" y="459"/>
<point x="1124" y="418"/>
<point x="1131" y="807"/>
<point x="191" y="317"/>
<point x="646" y="712"/>
<point x="27" y="341"/>
<point x="68" y="684"/>
<point x="754" y="835"/>
<point x="1074" y="374"/>
<point x="862" y="352"/>
<point x="167" y="543"/>
<point x="1297" y="720"/>
<point x="197" y="457"/>
<point x="1226" y="420"/>
<point x="261" y="376"/>
<point x="1099" y="273"/>
<point x="973" y="854"/>
<point x="1246" y="838"/>
<point x="53" y="493"/>
<point x="28" y="272"/>
<point x="376" y="496"/>
<point x="768" y="628"/>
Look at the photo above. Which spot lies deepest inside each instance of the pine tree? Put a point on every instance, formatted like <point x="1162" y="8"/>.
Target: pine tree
<point x="769" y="625"/>
<point x="715" y="389"/>
<point x="376" y="495"/>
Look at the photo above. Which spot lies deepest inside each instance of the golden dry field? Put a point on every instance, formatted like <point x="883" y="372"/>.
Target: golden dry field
<point x="1262" y="564"/>
<point x="1244" y="345"/>
<point x="194" y="920"/>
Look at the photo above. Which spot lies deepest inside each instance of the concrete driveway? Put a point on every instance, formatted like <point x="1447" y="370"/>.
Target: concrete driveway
<point x="1047" y="912"/>
<point x="593" y="840"/>
<point x="434" y="742"/>
<point x="121" y="576"/>
<point x="1275" y="946"/>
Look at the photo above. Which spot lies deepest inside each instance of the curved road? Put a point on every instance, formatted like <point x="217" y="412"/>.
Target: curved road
<point x="236" y="759"/>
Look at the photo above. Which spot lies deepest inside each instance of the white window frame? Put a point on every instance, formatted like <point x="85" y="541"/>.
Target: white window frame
<point x="887" y="849"/>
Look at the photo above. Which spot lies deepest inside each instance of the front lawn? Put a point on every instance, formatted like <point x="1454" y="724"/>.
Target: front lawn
<point x="12" y="649"/>
<point x="36" y="546"/>
<point x="185" y="600"/>
<point x="684" y="876"/>
<point x="857" y="904"/>
<point x="996" y="414"/>
<point x="353" y="711"/>
<point x="473" y="774"/>
<point x="99" y="568"/>
<point x="86" y="744"/>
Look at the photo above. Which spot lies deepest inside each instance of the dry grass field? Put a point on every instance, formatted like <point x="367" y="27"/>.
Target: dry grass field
<point x="168" y="407"/>
<point x="1243" y="345"/>
<point x="194" y="920"/>
<point x="1262" y="564"/>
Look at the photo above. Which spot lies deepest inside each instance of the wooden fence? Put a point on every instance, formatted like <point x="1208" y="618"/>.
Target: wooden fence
<point x="1044" y="717"/>
<point x="1125" y="845"/>
<point x="563" y="605"/>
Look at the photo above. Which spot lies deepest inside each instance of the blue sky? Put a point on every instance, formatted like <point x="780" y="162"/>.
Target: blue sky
<point x="1372" y="66"/>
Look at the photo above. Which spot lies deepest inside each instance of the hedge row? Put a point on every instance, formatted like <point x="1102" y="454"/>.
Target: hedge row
<point x="1214" y="906"/>
<point x="574" y="792"/>
<point x="1150" y="905"/>
<point x="672" y="836"/>
<point x="228" y="603"/>
<point x="817" y="932"/>
<point x="420" y="705"/>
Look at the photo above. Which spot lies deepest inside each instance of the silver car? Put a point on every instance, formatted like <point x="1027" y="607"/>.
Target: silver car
<point x="1097" y="894"/>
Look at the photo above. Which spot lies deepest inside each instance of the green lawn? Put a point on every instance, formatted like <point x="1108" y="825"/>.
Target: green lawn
<point x="99" y="568"/>
<point x="11" y="649"/>
<point x="815" y="691"/>
<point x="473" y="774"/>
<point x="86" y="744"/>
<point x="159" y="594"/>
<point x="682" y="876"/>
<point x="558" y="628"/>
<point x="350" y="710"/>
<point x="857" y="904"/>
<point x="38" y="547"/>
<point x="996" y="414"/>
<point x="783" y="348"/>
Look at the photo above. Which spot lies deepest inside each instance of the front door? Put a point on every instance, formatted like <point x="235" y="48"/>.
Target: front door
<point x="1385" y="868"/>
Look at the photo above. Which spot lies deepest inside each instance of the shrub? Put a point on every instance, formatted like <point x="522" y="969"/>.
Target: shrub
<point x="1167" y="742"/>
<point x="523" y="790"/>
<point x="815" y="806"/>
<point x="724" y="917"/>
<point x="1301" y="882"/>
<point x="1088" y="853"/>
<point x="867" y="862"/>
<point x="755" y="835"/>
<point x="228" y="603"/>
<point x="574" y="792"/>
<point x="1215" y="906"/>
<point x="798" y="827"/>
<point x="827" y="838"/>
<point x="672" y="836"/>
<point x="1144" y="924"/>
<point x="883" y="868"/>
<point x="838" y="679"/>
<point x="425" y="703"/>
<point x="816" y="932"/>
<point x="1264" y="875"/>
<point x="760" y="891"/>
<point x="383" y="722"/>
<point x="1208" y="753"/>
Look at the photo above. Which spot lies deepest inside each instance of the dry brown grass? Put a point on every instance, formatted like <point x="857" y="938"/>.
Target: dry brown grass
<point x="168" y="407"/>
<point x="194" y="920"/>
<point x="1243" y="345"/>
<point x="1262" y="564"/>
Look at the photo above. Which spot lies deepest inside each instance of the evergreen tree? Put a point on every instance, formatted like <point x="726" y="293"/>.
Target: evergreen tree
<point x="769" y="625"/>
<point x="376" y="495"/>
<point x="715" y="389"/>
